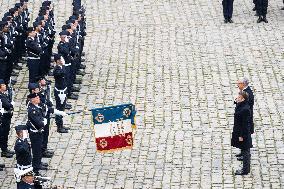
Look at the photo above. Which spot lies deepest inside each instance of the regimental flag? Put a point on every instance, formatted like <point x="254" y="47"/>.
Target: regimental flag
<point x="114" y="127"/>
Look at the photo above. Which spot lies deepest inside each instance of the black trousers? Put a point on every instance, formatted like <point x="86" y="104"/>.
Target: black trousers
<point x="45" y="135"/>
<point x="69" y="78"/>
<point x="261" y="7"/>
<point x="4" y="131"/>
<point x="59" y="106"/>
<point x="34" y="69"/>
<point x="227" y="8"/>
<point x="246" y="159"/>
<point x="36" y="144"/>
<point x="3" y="70"/>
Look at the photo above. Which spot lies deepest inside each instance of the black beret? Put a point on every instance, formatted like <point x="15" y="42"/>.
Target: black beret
<point x="46" y="3"/>
<point x="2" y="81"/>
<point x="33" y="86"/>
<point x="36" y="24"/>
<point x="22" y="1"/>
<point x="57" y="57"/>
<point x="64" y="33"/>
<point x="33" y="95"/>
<point x="3" y="23"/>
<point x="40" y="18"/>
<point x="20" y="127"/>
<point x="18" y="5"/>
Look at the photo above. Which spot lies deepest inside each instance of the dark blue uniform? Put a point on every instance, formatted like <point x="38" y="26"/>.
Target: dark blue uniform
<point x="34" y="51"/>
<point x="60" y="93"/>
<point x="228" y="9"/>
<point x="251" y="103"/>
<point x="23" y="153"/>
<point x="35" y="126"/>
<point x="24" y="185"/>
<point x="6" y="121"/>
<point x="4" y="54"/>
<point x="261" y="7"/>
<point x="65" y="50"/>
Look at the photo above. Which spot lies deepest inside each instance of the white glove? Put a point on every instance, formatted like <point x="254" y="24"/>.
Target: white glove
<point x="13" y="103"/>
<point x="62" y="60"/>
<point x="44" y="121"/>
<point x="58" y="112"/>
<point x="2" y="110"/>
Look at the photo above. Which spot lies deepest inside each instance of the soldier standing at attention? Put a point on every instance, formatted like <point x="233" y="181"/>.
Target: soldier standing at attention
<point x="6" y="120"/>
<point x="228" y="10"/>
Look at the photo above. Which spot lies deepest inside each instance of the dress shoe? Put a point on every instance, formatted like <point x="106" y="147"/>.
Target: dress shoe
<point x="6" y="154"/>
<point x="83" y="53"/>
<point x="17" y="67"/>
<point x="62" y="130"/>
<point x="240" y="158"/>
<point x="241" y="172"/>
<point x="1" y="169"/>
<point x="83" y="60"/>
<point x="78" y="81"/>
<point x="14" y="73"/>
<point x="82" y="66"/>
<point x="44" y="164"/>
<point x="259" y="20"/>
<point x="43" y="168"/>
<point x="264" y="20"/>
<point x="13" y="82"/>
<point x="226" y="21"/>
<point x="254" y="9"/>
<point x="282" y="8"/>
<point x="230" y="20"/>
<point x="10" y="151"/>
<point x="68" y="106"/>
<point x="74" y="97"/>
<point x="2" y="166"/>
<point x="239" y="155"/>
<point x="79" y="72"/>
<point x="66" y="128"/>
<point x="75" y="89"/>
<point x="47" y="154"/>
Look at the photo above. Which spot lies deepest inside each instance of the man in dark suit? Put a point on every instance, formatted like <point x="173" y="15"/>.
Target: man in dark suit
<point x="243" y="85"/>
<point x="241" y="136"/>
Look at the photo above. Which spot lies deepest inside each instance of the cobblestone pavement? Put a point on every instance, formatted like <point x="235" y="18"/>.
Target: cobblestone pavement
<point x="178" y="62"/>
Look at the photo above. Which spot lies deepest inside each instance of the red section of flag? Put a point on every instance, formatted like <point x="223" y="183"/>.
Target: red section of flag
<point x="114" y="142"/>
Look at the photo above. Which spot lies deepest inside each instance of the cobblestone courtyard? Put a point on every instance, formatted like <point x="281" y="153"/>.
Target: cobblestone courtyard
<point x="178" y="63"/>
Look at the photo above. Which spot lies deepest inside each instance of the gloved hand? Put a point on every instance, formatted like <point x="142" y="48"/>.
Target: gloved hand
<point x="58" y="112"/>
<point x="13" y="103"/>
<point x="44" y="121"/>
<point x="2" y="110"/>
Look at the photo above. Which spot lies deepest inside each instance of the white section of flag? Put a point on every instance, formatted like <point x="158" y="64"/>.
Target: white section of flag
<point x="113" y="128"/>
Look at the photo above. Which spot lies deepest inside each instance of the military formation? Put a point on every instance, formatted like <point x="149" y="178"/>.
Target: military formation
<point x="34" y="45"/>
<point x="260" y="6"/>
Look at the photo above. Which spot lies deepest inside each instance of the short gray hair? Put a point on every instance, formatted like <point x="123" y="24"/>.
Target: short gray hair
<point x="245" y="81"/>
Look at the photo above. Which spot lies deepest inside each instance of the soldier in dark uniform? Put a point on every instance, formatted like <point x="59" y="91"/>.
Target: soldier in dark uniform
<point x="228" y="10"/>
<point x="64" y="48"/>
<point x="1" y="114"/>
<point x="35" y="124"/>
<point x="261" y="10"/>
<point x="5" y="51"/>
<point x="60" y="91"/>
<point x="241" y="136"/>
<point x="6" y="120"/>
<point x="34" y="51"/>
<point x="22" y="148"/>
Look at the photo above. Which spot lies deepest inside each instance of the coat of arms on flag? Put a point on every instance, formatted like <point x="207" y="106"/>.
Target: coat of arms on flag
<point x="114" y="127"/>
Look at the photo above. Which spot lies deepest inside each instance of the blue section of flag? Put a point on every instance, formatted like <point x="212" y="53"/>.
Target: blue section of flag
<point x="114" y="113"/>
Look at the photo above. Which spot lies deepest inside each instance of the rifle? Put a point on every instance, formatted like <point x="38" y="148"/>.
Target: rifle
<point x="48" y="92"/>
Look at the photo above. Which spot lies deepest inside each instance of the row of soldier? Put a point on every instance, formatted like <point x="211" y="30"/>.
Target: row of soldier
<point x="260" y="6"/>
<point x="68" y="65"/>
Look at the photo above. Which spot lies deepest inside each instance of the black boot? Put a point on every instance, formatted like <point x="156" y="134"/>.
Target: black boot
<point x="239" y="155"/>
<point x="254" y="9"/>
<point x="264" y="19"/>
<point x="241" y="172"/>
<point x="60" y="129"/>
<point x="259" y="19"/>
<point x="2" y="166"/>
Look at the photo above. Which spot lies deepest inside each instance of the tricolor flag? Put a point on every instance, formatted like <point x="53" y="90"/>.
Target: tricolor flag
<point x="114" y="127"/>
